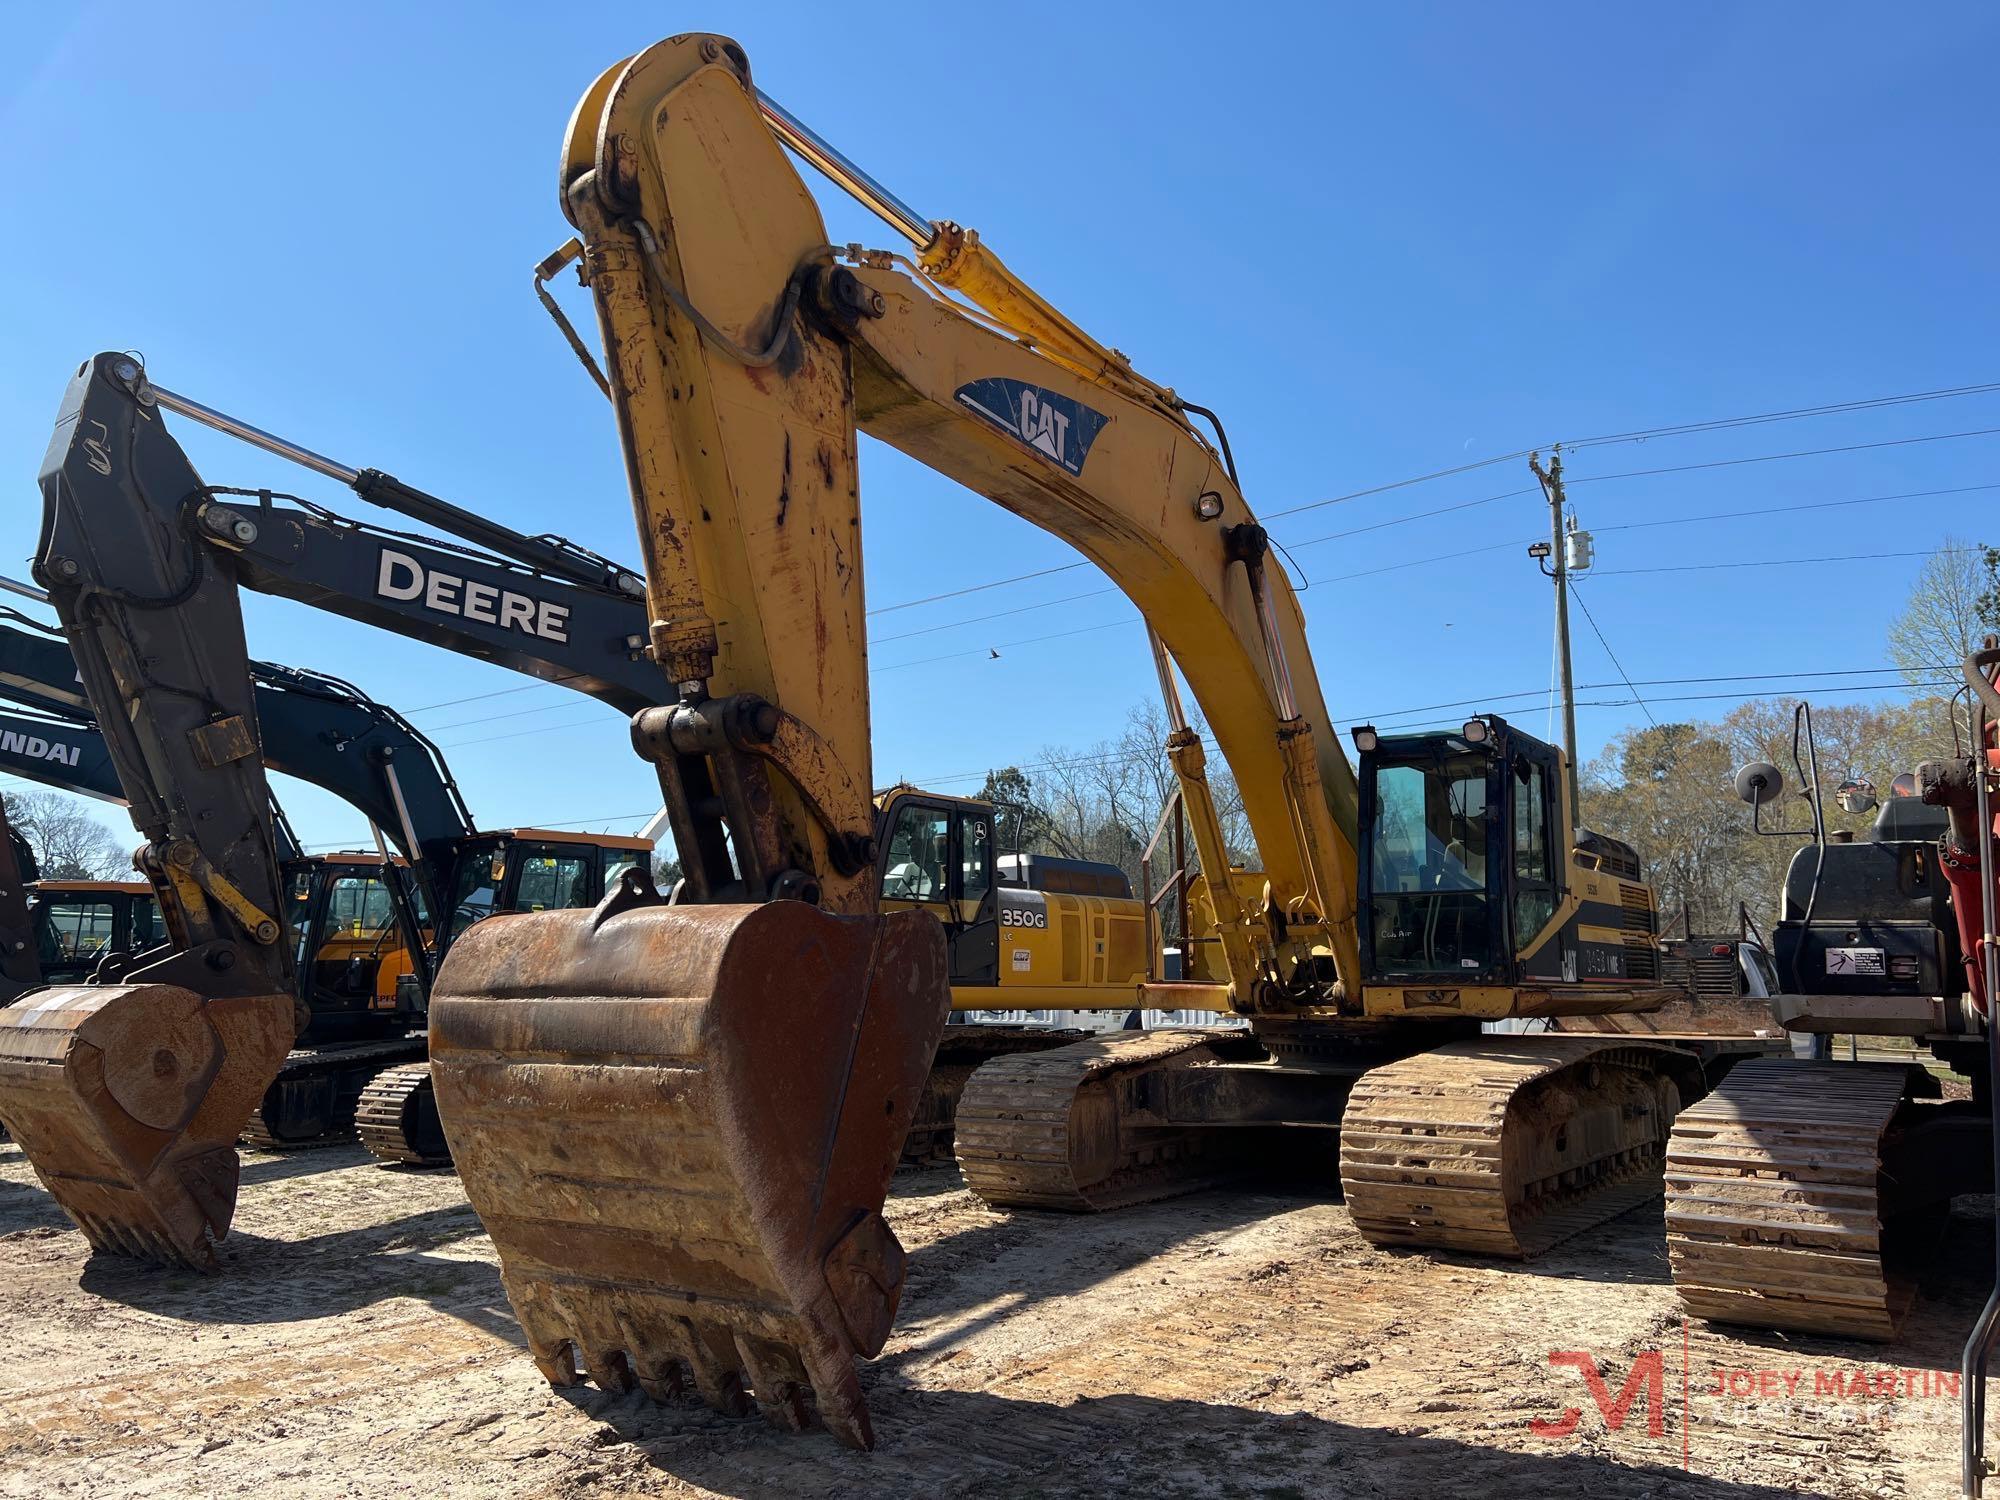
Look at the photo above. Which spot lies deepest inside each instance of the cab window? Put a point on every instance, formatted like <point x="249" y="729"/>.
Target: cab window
<point x="1534" y="883"/>
<point x="147" y="929"/>
<point x="551" y="878"/>
<point x="76" y="931"/>
<point x="917" y="852"/>
<point x="472" y="890"/>
<point x="975" y="856"/>
<point x="616" y="865"/>
<point x="1429" y="910"/>
<point x="359" y="906"/>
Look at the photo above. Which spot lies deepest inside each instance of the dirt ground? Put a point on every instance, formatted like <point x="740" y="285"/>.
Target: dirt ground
<point x="1240" y="1343"/>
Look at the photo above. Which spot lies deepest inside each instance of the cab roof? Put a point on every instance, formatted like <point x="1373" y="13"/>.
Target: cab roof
<point x="905" y="789"/>
<point x="566" y="836"/>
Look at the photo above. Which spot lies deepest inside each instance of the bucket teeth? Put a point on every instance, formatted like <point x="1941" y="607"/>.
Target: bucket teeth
<point x="127" y="1099"/>
<point x="679" y="1125"/>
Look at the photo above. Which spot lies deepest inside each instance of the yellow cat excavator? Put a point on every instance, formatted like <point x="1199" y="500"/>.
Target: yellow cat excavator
<point x="678" y="1121"/>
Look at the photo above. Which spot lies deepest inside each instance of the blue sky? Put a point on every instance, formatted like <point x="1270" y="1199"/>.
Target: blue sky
<point x="1381" y="242"/>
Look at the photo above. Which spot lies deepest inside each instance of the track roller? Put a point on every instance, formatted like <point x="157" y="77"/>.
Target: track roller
<point x="1507" y="1146"/>
<point x="1774" y="1198"/>
<point x="397" y="1118"/>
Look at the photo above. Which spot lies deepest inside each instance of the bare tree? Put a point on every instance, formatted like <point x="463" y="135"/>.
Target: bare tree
<point x="1948" y="613"/>
<point x="69" y="843"/>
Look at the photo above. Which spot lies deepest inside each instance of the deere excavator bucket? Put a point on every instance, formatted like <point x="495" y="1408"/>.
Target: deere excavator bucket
<point x="679" y="1124"/>
<point x="127" y="1099"/>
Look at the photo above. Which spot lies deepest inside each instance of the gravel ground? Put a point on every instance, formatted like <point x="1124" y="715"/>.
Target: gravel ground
<point x="1238" y="1343"/>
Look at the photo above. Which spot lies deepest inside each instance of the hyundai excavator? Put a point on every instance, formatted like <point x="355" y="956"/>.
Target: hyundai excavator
<point x="357" y="919"/>
<point x="678" y="1120"/>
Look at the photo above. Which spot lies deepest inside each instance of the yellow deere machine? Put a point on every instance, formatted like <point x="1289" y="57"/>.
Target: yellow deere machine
<point x="678" y="1121"/>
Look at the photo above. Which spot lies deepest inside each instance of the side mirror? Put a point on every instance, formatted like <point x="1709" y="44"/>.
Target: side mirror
<point x="1856" y="797"/>
<point x="1759" y="783"/>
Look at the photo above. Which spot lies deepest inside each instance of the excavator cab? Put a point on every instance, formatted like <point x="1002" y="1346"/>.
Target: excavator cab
<point x="535" y="869"/>
<point x="936" y="854"/>
<point x="349" y="915"/>
<point x="1481" y="899"/>
<point x="78" y="923"/>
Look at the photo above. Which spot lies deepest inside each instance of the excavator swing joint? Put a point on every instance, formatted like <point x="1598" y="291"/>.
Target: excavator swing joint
<point x="839" y="299"/>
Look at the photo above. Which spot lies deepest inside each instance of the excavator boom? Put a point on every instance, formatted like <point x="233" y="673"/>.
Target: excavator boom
<point x="712" y="1234"/>
<point x="744" y="359"/>
<point x="128" y="1098"/>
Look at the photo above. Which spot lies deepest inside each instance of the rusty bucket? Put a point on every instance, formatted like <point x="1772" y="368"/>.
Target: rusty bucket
<point x="127" y="1099"/>
<point x="679" y="1123"/>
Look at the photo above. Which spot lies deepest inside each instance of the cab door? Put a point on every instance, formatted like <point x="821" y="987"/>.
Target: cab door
<point x="975" y="946"/>
<point x="1536" y="860"/>
<point x="938" y="859"/>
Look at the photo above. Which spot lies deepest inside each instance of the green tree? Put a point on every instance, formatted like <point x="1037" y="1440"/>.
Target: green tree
<point x="1019" y="819"/>
<point x="1668" y="790"/>
<point x="1951" y="608"/>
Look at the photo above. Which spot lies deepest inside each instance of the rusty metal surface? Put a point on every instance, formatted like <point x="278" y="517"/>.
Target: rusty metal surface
<point x="961" y="1050"/>
<point x="127" y="1100"/>
<point x="679" y="1124"/>
<point x="1077" y="1129"/>
<point x="1507" y="1146"/>
<point x="1774" y="1199"/>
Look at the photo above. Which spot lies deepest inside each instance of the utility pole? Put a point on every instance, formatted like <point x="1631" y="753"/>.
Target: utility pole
<point x="1551" y="480"/>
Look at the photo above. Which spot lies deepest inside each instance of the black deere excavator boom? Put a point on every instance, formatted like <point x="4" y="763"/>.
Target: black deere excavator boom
<point x="127" y="1097"/>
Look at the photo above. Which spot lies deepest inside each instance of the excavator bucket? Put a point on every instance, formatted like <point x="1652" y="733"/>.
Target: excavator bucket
<point x="679" y="1123"/>
<point x="127" y="1099"/>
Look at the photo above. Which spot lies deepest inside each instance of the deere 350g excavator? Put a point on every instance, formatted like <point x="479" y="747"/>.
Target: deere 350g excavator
<point x="678" y="1121"/>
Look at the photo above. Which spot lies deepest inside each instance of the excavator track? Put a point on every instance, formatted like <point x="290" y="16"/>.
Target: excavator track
<point x="313" y="1100"/>
<point x="397" y="1118"/>
<point x="1508" y="1146"/>
<point x="1055" y="1129"/>
<point x="1774" y="1214"/>
<point x="960" y="1054"/>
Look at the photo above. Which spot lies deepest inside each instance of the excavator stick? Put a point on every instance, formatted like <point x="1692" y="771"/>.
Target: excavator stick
<point x="127" y="1099"/>
<point x="679" y="1124"/>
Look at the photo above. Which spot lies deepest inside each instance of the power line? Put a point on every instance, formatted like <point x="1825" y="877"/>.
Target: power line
<point x="1641" y="435"/>
<point x="1587" y="687"/>
<point x="1785" y="510"/>
<point x="1681" y="431"/>
<point x="1778" y="562"/>
<point x="994" y="650"/>
<point x="1577" y="594"/>
<point x="494" y="739"/>
<point x="978" y="588"/>
<point x="1495" y="547"/>
<point x="1488" y="699"/>
<point x="517" y="713"/>
<point x="1942" y="394"/>
<point x="478" y="697"/>
<point x="1773" y="562"/>
<point x="883" y="640"/>
<point x="1942" y="682"/>
<point x="1771" y="458"/>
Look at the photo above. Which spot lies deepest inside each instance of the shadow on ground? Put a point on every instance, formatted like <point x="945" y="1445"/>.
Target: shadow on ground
<point x="958" y="1442"/>
<point x="321" y="1276"/>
